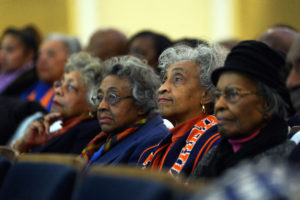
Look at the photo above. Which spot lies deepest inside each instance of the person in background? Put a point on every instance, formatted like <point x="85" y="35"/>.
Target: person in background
<point x="126" y="102"/>
<point x="18" y="54"/>
<point x="106" y="43"/>
<point x="279" y="37"/>
<point x="293" y="84"/>
<point x="251" y="105"/>
<point x="53" y="54"/>
<point x="185" y="98"/>
<point x="148" y="45"/>
<point x="72" y="107"/>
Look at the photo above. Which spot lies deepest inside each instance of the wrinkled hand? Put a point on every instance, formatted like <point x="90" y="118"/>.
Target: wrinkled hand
<point x="37" y="133"/>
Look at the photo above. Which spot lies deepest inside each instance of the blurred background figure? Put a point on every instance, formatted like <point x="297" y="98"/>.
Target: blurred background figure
<point x="279" y="37"/>
<point x="148" y="45"/>
<point x="18" y="54"/>
<point x="228" y="44"/>
<point x="192" y="42"/>
<point x="106" y="43"/>
<point x="53" y="54"/>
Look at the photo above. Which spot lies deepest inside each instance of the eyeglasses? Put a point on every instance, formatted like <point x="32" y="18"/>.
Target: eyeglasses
<point x="112" y="99"/>
<point x="68" y="87"/>
<point x="231" y="95"/>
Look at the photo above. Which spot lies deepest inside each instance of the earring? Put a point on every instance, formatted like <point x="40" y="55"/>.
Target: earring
<point x="203" y="109"/>
<point x="91" y="114"/>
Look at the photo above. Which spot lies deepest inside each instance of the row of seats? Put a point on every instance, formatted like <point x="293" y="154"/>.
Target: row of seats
<point x="49" y="177"/>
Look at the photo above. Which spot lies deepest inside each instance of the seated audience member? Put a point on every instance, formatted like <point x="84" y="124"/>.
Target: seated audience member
<point x="293" y="84"/>
<point x="251" y="105"/>
<point x="279" y="37"/>
<point x="148" y="45"/>
<point x="53" y="54"/>
<point x="70" y="105"/>
<point x="185" y="98"/>
<point x="228" y="43"/>
<point x="127" y="113"/>
<point x="192" y="42"/>
<point x="18" y="53"/>
<point x="106" y="43"/>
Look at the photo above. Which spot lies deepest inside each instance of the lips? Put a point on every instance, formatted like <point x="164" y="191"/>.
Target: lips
<point x="56" y="103"/>
<point x="163" y="100"/>
<point x="105" y="119"/>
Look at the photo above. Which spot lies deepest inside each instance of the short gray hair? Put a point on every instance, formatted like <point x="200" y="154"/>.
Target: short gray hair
<point x="144" y="81"/>
<point x="71" y="43"/>
<point x="275" y="104"/>
<point x="208" y="58"/>
<point x="90" y="68"/>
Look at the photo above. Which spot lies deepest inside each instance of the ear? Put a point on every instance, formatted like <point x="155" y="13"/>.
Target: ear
<point x="207" y="97"/>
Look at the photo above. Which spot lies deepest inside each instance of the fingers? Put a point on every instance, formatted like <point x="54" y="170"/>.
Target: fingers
<point x="49" y="119"/>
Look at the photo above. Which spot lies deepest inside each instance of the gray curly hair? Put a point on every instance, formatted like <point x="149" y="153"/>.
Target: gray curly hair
<point x="144" y="81"/>
<point x="208" y="57"/>
<point x="71" y="43"/>
<point x="90" y="68"/>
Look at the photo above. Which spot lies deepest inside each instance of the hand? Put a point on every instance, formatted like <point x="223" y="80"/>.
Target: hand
<point x="37" y="133"/>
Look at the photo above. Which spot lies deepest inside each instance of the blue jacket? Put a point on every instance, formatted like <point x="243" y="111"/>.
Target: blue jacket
<point x="130" y="148"/>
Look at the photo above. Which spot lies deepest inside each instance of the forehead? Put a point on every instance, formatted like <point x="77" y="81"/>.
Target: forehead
<point x="116" y="83"/>
<point x="186" y="67"/>
<point x="294" y="53"/>
<point x="73" y="75"/>
<point x="235" y="79"/>
<point x="10" y="38"/>
<point x="53" y="45"/>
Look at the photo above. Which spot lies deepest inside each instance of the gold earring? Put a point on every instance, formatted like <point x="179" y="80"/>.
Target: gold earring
<point x="91" y="114"/>
<point x="203" y="109"/>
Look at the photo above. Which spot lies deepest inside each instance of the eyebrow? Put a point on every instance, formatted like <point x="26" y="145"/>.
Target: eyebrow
<point x="177" y="70"/>
<point x="110" y="89"/>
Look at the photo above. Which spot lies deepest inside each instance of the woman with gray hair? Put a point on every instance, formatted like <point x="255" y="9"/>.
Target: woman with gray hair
<point x="185" y="99"/>
<point x="126" y="102"/>
<point x="72" y="107"/>
<point x="251" y="105"/>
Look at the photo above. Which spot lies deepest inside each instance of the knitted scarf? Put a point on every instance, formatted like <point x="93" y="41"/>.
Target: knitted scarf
<point x="187" y="143"/>
<point x="103" y="142"/>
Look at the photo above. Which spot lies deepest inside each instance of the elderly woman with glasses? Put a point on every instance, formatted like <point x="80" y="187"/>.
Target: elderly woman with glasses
<point x="72" y="107"/>
<point x="251" y="105"/>
<point x="126" y="102"/>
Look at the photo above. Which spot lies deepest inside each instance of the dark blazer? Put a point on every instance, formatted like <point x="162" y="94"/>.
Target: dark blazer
<point x="129" y="150"/>
<point x="21" y="84"/>
<point x="12" y="112"/>
<point x="73" y="141"/>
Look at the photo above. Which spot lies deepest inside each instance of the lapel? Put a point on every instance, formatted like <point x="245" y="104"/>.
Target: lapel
<point x="122" y="150"/>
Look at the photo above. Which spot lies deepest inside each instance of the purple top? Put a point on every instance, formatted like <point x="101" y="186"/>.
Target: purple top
<point x="7" y="78"/>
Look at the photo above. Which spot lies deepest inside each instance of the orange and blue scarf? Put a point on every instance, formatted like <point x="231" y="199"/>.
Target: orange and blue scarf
<point x="181" y="150"/>
<point x="103" y="142"/>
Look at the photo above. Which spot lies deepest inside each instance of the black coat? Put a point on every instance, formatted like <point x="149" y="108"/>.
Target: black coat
<point x="270" y="142"/>
<point x="12" y="112"/>
<point x="73" y="140"/>
<point x="21" y="84"/>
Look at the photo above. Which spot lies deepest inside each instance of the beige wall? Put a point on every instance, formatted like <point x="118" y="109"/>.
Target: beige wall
<point x="209" y="19"/>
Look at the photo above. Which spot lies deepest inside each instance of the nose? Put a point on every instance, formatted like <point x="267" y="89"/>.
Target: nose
<point x="163" y="88"/>
<point x="220" y="104"/>
<point x="58" y="90"/>
<point x="293" y="79"/>
<point x="103" y="105"/>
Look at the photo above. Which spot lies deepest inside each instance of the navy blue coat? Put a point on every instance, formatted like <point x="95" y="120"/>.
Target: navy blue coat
<point x="129" y="149"/>
<point x="73" y="141"/>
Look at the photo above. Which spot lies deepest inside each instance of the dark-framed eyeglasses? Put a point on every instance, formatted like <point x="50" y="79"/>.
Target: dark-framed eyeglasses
<point x="111" y="99"/>
<point x="232" y="94"/>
